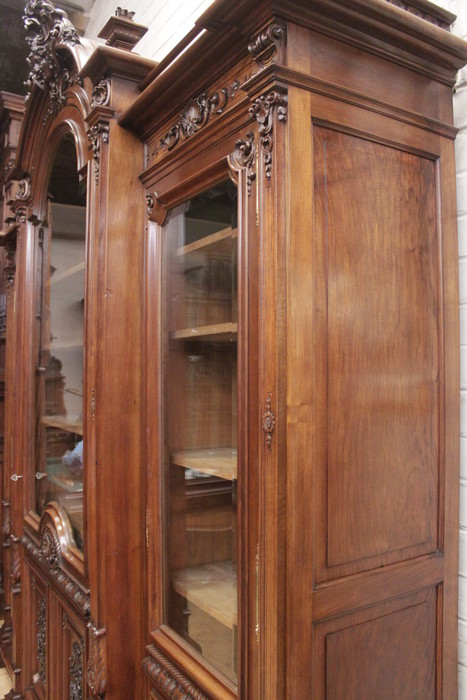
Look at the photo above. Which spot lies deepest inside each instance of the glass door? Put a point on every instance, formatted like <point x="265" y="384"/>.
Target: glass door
<point x="59" y="401"/>
<point x="200" y="460"/>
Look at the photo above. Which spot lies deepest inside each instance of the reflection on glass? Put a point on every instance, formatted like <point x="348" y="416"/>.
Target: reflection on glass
<point x="59" y="450"/>
<point x="200" y="299"/>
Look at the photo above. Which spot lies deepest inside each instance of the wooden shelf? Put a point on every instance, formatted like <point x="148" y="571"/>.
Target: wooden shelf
<point x="217" y="461"/>
<point x="212" y="588"/>
<point x="63" y="346"/>
<point x="213" y="240"/>
<point x="67" y="273"/>
<point x="64" y="423"/>
<point x="215" y="332"/>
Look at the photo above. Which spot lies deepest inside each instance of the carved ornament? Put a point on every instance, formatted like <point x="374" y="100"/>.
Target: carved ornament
<point x="263" y="110"/>
<point x="149" y="204"/>
<point x="126" y="14"/>
<point x="164" y="674"/>
<point x="6" y="523"/>
<point x="196" y="115"/>
<point x="75" y="669"/>
<point x="244" y="157"/>
<point x="265" y="48"/>
<point x="96" y="134"/>
<point x="41" y="639"/>
<point x="101" y="93"/>
<point x="96" y="670"/>
<point x="428" y="16"/>
<point x="269" y="421"/>
<point x="15" y="566"/>
<point x="10" y="267"/>
<point x="48" y="33"/>
<point x="54" y="538"/>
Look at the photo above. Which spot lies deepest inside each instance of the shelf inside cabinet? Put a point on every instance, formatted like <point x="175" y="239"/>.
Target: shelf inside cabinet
<point x="64" y="423"/>
<point x="217" y="461"/>
<point x="67" y="273"/>
<point x="215" y="243"/>
<point x="212" y="588"/>
<point x="215" y="332"/>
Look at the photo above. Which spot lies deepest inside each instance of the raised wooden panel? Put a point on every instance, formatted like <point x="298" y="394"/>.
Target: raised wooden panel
<point x="378" y="295"/>
<point x="385" y="652"/>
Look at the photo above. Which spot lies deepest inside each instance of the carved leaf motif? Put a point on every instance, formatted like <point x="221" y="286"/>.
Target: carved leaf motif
<point x="48" y="30"/>
<point x="263" y="111"/>
<point x="427" y="16"/>
<point x="96" y="670"/>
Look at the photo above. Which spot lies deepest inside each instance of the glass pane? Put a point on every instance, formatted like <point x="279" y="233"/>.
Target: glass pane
<point x="201" y="423"/>
<point x="59" y="454"/>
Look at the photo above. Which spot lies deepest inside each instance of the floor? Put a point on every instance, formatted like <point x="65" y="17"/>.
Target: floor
<point x="5" y="683"/>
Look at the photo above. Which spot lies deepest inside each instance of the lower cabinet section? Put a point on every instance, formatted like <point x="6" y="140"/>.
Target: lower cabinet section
<point x="386" y="651"/>
<point x="56" y="646"/>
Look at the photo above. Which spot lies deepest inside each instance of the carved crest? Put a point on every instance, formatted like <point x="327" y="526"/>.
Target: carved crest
<point x="96" y="670"/>
<point x="197" y="114"/>
<point x="262" y="110"/>
<point x="48" y="33"/>
<point x="244" y="156"/>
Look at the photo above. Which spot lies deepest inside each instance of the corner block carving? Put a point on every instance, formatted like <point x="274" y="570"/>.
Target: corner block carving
<point x="244" y="157"/>
<point x="96" y="670"/>
<point x="48" y="31"/>
<point x="262" y="110"/>
<point x="265" y="47"/>
<point x="196" y="115"/>
<point x="164" y="674"/>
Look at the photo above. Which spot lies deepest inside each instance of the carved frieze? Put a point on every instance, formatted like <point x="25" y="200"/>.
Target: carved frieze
<point x="48" y="33"/>
<point x="265" y="47"/>
<point x="263" y="109"/>
<point x="96" y="670"/>
<point x="97" y="134"/>
<point x="168" y="678"/>
<point x="196" y="115"/>
<point x="244" y="157"/>
<point x="75" y="668"/>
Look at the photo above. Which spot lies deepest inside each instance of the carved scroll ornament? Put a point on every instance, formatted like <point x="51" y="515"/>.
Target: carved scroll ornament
<point x="48" y="32"/>
<point x="244" y="156"/>
<point x="196" y="115"/>
<point x="265" y="47"/>
<point x="101" y="93"/>
<point x="96" y="134"/>
<point x="262" y="110"/>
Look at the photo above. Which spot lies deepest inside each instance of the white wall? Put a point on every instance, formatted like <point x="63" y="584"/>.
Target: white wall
<point x="169" y="21"/>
